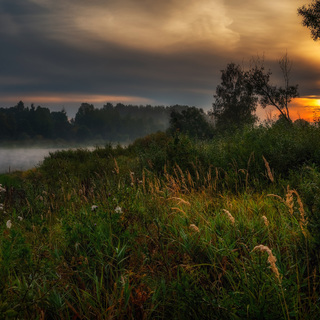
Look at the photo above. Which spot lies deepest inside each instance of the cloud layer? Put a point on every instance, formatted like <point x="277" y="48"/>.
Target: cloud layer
<point x="161" y="52"/>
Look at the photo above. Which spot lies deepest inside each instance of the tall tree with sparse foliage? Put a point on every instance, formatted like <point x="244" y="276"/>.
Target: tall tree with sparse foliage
<point x="275" y="96"/>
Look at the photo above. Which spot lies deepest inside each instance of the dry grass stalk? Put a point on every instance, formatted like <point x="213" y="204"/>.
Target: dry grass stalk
<point x="275" y="196"/>
<point x="150" y="187"/>
<point x="315" y="284"/>
<point x="116" y="167"/>
<point x="289" y="200"/>
<point x="230" y="216"/>
<point x="265" y="220"/>
<point x="271" y="259"/>
<point x="249" y="160"/>
<point x="182" y="179"/>
<point x="178" y="209"/>
<point x="209" y="175"/>
<point x="196" y="171"/>
<point x="172" y="184"/>
<point x="270" y="175"/>
<point x="157" y="184"/>
<point x="303" y="220"/>
<point x="132" y="178"/>
<point x="194" y="228"/>
<point x="180" y="200"/>
<point x="190" y="180"/>
<point x="216" y="178"/>
<point x="150" y="164"/>
<point x="180" y="171"/>
<point x="144" y="181"/>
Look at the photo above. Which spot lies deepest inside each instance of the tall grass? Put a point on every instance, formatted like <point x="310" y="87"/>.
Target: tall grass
<point x="146" y="233"/>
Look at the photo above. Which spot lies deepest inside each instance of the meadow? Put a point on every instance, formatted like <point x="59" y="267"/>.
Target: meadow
<point x="167" y="228"/>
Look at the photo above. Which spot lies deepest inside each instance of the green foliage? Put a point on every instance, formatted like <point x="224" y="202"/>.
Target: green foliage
<point x="24" y="123"/>
<point x="235" y="102"/>
<point x="191" y="122"/>
<point x="123" y="123"/>
<point x="308" y="182"/>
<point x="240" y="91"/>
<point x="167" y="228"/>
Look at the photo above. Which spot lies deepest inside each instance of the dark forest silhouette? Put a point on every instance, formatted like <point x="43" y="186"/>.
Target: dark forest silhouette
<point x="116" y="123"/>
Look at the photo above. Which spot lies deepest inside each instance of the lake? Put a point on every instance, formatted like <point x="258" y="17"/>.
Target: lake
<point x="12" y="159"/>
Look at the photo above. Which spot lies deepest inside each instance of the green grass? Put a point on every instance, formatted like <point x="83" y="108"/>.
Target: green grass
<point x="160" y="244"/>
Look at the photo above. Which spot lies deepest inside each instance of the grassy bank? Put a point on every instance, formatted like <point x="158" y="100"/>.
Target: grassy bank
<point x="167" y="228"/>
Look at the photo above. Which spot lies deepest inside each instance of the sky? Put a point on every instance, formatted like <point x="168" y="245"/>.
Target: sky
<point x="58" y="53"/>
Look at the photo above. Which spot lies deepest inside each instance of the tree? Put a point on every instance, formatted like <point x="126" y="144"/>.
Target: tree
<point x="61" y="125"/>
<point x="84" y="114"/>
<point x="235" y="102"/>
<point x="271" y="95"/>
<point x="191" y="121"/>
<point x="311" y="18"/>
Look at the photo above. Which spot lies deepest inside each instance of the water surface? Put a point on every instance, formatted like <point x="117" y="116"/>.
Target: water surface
<point x="12" y="159"/>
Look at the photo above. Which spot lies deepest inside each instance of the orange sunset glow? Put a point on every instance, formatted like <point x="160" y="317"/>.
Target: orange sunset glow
<point x="61" y="54"/>
<point x="307" y="108"/>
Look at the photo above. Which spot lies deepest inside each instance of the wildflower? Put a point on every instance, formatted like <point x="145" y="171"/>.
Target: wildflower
<point x="231" y="218"/>
<point x="20" y="218"/>
<point x="2" y="189"/>
<point x="271" y="259"/>
<point x="9" y="224"/>
<point x="94" y="208"/>
<point x="1" y="207"/>
<point x="118" y="209"/>
<point x="194" y="228"/>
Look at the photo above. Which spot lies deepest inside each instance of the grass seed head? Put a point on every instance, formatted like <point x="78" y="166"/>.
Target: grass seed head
<point x="271" y="259"/>
<point x="270" y="175"/>
<point x="194" y="228"/>
<point x="265" y="220"/>
<point x="303" y="220"/>
<point x="289" y="200"/>
<point x="230" y="216"/>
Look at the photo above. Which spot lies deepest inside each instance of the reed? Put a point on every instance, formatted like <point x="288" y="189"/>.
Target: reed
<point x="122" y="237"/>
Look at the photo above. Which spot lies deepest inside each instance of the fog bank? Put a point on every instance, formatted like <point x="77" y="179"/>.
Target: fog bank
<point x="13" y="159"/>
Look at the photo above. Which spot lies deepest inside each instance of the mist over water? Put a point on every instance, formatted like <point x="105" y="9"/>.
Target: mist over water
<point x="12" y="159"/>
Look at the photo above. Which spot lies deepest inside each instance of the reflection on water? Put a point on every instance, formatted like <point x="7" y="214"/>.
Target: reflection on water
<point x="12" y="159"/>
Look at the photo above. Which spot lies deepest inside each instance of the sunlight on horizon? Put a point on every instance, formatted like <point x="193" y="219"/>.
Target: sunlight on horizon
<point x="75" y="98"/>
<point x="307" y="108"/>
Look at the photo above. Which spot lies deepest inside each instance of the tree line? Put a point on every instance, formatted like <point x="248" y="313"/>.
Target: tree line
<point x="116" y="123"/>
<point x="235" y="103"/>
<point x="234" y="106"/>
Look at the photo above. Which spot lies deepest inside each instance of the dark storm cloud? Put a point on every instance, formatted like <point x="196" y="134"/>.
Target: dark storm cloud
<point x="163" y="51"/>
<point x="50" y="64"/>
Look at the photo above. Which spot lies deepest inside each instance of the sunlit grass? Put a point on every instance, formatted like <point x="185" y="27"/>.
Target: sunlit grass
<point x="104" y="234"/>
